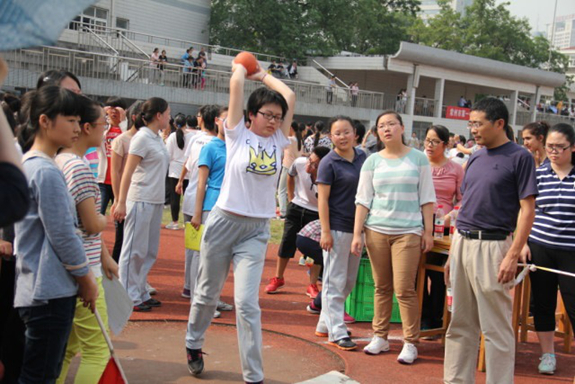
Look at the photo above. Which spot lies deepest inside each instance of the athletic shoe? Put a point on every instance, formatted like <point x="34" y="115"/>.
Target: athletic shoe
<point x="344" y="344"/>
<point x="376" y="346"/>
<point x="153" y="303"/>
<point x="301" y="262"/>
<point x="348" y="319"/>
<point x="142" y="308"/>
<point x="312" y="291"/>
<point x="151" y="290"/>
<point x="324" y="334"/>
<point x="275" y="284"/>
<point x="408" y="354"/>
<point x="186" y="293"/>
<point x="217" y="314"/>
<point x="224" y="307"/>
<point x="548" y="364"/>
<point x="311" y="308"/>
<point x="195" y="361"/>
<point x="173" y="226"/>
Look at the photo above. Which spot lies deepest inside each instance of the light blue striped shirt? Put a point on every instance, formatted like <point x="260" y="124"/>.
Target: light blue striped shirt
<point x="394" y="190"/>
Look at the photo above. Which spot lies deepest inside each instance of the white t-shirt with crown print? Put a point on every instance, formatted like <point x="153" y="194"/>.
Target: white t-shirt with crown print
<point x="253" y="166"/>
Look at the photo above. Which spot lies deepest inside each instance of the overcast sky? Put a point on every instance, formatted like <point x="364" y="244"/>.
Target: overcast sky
<point x="540" y="12"/>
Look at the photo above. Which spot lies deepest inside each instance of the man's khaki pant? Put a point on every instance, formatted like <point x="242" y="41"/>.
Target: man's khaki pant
<point x="394" y="263"/>
<point x="480" y="304"/>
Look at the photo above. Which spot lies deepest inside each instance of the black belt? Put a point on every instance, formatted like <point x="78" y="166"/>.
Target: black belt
<point x="484" y="235"/>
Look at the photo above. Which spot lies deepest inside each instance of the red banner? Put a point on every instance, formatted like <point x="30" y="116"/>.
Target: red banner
<point x="458" y="113"/>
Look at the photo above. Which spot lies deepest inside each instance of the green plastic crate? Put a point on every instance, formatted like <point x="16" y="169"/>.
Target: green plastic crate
<point x="359" y="303"/>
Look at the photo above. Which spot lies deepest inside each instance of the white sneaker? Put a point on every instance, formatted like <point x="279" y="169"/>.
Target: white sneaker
<point x="408" y="354"/>
<point x="222" y="306"/>
<point x="217" y="314"/>
<point x="151" y="290"/>
<point x="376" y="346"/>
<point x="301" y="261"/>
<point x="174" y="226"/>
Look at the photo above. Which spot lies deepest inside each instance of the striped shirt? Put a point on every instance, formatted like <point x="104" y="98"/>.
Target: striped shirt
<point x="82" y="185"/>
<point x="554" y="225"/>
<point x="394" y="190"/>
<point x="312" y="230"/>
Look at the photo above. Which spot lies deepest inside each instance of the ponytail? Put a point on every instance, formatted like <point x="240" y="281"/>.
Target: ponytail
<point x="296" y="128"/>
<point x="180" y="122"/>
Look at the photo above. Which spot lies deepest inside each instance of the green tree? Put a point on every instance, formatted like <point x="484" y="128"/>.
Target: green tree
<point x="319" y="27"/>
<point x="489" y="30"/>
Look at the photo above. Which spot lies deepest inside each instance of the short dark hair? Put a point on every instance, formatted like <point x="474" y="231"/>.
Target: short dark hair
<point x="115" y="102"/>
<point x="192" y="121"/>
<point x="359" y="130"/>
<point x="441" y="131"/>
<point x="55" y="77"/>
<point x="389" y="112"/>
<point x="321" y="151"/>
<point x="209" y="114"/>
<point x="494" y="110"/>
<point x="263" y="96"/>
<point x="337" y="118"/>
<point x="569" y="133"/>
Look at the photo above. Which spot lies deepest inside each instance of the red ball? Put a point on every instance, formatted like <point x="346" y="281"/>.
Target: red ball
<point x="249" y="62"/>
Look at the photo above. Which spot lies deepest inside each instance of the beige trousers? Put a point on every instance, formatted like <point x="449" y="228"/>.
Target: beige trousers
<point x="394" y="263"/>
<point x="480" y="304"/>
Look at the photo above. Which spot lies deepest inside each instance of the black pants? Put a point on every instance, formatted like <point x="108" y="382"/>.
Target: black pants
<point x="48" y="327"/>
<point x="106" y="195"/>
<point x="296" y="218"/>
<point x="11" y="326"/>
<point x="174" y="197"/>
<point x="119" y="240"/>
<point x="544" y="285"/>
<point x="434" y="298"/>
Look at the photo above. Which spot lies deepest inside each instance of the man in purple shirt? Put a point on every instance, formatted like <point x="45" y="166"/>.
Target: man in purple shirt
<point x="499" y="182"/>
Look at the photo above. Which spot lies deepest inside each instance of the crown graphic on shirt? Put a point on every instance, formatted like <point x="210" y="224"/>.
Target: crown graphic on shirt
<point x="262" y="163"/>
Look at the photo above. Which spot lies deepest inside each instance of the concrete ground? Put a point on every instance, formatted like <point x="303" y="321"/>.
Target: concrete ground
<point x="151" y="348"/>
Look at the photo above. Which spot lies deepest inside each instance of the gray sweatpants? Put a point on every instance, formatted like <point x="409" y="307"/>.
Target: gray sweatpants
<point x="339" y="276"/>
<point x="140" y="247"/>
<point x="243" y="240"/>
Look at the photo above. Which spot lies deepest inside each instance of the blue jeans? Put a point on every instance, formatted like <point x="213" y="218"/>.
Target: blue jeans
<point x="47" y="330"/>
<point x="107" y="196"/>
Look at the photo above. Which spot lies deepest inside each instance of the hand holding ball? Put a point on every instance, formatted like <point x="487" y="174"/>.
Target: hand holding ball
<point x="248" y="61"/>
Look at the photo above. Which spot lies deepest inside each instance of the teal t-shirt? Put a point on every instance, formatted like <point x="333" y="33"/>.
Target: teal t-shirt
<point x="213" y="156"/>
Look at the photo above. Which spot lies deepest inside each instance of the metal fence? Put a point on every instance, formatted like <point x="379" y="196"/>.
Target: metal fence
<point x="127" y="69"/>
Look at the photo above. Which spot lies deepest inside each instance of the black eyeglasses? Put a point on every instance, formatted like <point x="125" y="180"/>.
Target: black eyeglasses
<point x="270" y="116"/>
<point x="556" y="148"/>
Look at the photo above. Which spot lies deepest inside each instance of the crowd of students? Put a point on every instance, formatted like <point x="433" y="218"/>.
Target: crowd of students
<point x="337" y="193"/>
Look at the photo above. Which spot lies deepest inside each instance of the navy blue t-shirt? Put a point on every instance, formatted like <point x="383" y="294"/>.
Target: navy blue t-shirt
<point x="494" y="182"/>
<point x="343" y="177"/>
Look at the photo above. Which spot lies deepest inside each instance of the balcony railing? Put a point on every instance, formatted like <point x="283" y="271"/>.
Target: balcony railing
<point x="133" y="70"/>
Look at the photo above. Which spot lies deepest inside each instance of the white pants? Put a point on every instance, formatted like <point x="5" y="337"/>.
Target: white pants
<point x="140" y="247"/>
<point x="339" y="277"/>
<point x="242" y="240"/>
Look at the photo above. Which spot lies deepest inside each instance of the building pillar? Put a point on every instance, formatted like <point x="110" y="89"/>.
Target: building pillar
<point x="438" y="103"/>
<point x="513" y="107"/>
<point x="534" y="102"/>
<point x="410" y="89"/>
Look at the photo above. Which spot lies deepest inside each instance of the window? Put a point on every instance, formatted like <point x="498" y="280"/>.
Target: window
<point x="122" y="23"/>
<point x="93" y="17"/>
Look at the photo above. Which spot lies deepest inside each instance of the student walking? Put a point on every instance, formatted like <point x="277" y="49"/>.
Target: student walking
<point x="120" y="149"/>
<point x="551" y="242"/>
<point x="337" y="180"/>
<point x="51" y="264"/>
<point x="141" y="201"/>
<point x="86" y="336"/>
<point x="499" y="181"/>
<point x="394" y="200"/>
<point x="237" y="229"/>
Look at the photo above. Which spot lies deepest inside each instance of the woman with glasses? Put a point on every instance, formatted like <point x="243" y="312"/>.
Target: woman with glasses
<point x="447" y="178"/>
<point x="534" y="140"/>
<point x="394" y="206"/>
<point x="552" y="239"/>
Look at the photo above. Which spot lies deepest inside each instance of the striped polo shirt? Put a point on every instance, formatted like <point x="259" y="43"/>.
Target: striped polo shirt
<point x="554" y="225"/>
<point x="82" y="185"/>
<point x="394" y="190"/>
